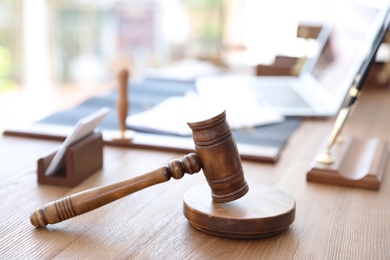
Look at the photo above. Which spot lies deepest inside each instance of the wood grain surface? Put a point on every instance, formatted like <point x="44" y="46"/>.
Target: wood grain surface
<point x="331" y="222"/>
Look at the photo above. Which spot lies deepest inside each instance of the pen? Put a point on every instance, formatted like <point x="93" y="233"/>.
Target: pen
<point x="325" y="157"/>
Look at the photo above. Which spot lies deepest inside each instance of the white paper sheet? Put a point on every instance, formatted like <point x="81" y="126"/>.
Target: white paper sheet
<point x="171" y="116"/>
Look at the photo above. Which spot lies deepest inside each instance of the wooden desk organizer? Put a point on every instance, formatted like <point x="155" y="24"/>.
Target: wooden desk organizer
<point x="358" y="163"/>
<point x="82" y="159"/>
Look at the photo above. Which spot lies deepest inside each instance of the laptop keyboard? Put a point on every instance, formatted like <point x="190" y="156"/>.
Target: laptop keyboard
<point x="278" y="95"/>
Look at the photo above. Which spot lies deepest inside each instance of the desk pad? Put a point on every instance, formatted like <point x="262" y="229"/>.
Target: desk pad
<point x="263" y="143"/>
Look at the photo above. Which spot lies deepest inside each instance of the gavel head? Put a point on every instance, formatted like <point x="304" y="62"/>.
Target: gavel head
<point x="221" y="162"/>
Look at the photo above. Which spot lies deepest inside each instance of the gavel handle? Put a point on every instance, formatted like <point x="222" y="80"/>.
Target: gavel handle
<point x="91" y="199"/>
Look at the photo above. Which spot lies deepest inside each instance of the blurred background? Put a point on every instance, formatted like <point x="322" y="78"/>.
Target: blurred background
<point x="46" y="45"/>
<point x="51" y="43"/>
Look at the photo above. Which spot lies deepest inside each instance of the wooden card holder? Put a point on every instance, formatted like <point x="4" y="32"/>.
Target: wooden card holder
<point x="82" y="159"/>
<point x="357" y="163"/>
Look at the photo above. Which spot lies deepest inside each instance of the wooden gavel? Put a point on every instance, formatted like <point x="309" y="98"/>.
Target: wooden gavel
<point x="216" y="154"/>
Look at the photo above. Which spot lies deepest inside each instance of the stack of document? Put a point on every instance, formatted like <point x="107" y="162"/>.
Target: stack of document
<point x="171" y="116"/>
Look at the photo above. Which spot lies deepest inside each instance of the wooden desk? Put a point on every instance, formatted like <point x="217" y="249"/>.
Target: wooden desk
<point x="331" y="222"/>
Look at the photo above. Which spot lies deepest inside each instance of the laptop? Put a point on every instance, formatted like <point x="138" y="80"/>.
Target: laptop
<point x="323" y="83"/>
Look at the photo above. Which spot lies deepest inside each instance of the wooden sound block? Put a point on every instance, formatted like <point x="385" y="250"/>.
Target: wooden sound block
<point x="357" y="163"/>
<point x="262" y="212"/>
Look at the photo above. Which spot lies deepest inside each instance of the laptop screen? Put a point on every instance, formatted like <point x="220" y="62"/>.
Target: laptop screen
<point x="354" y="30"/>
